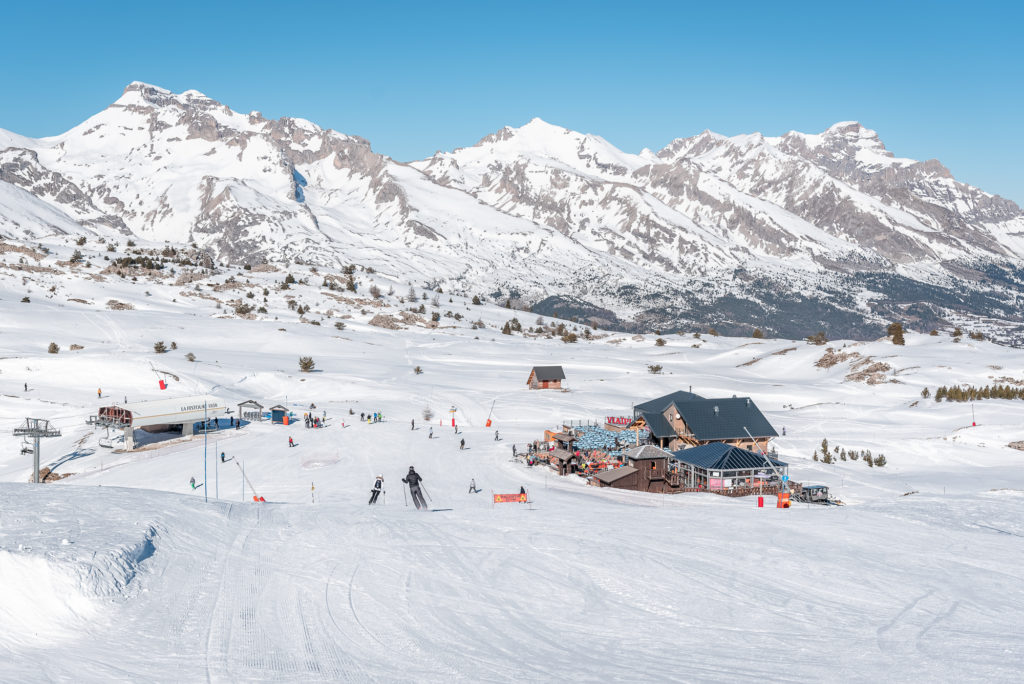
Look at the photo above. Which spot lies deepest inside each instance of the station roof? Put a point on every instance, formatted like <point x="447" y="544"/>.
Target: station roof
<point x="176" y="410"/>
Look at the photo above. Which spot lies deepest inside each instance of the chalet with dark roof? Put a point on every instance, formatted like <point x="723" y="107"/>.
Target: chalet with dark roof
<point x="721" y="467"/>
<point x="546" y="377"/>
<point x="684" y="419"/>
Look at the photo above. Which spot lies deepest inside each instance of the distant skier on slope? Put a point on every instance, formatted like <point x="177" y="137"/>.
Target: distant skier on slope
<point x="462" y="444"/>
<point x="413" y="479"/>
<point x="291" y="442"/>
<point x="472" y="486"/>
<point x="376" y="489"/>
<point x="430" y="435"/>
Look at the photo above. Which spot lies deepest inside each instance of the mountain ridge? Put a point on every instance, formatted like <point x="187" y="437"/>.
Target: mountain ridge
<point x="792" y="233"/>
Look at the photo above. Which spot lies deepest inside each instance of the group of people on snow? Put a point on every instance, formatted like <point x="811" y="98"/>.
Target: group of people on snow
<point x="314" y="421"/>
<point x="374" y="417"/>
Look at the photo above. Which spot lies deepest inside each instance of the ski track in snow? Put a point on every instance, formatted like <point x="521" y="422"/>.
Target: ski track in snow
<point x="590" y="585"/>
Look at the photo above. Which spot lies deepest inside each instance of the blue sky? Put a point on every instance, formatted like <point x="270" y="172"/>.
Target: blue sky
<point x="935" y="79"/>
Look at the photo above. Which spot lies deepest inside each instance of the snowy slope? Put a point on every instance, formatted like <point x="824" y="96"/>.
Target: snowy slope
<point x="154" y="583"/>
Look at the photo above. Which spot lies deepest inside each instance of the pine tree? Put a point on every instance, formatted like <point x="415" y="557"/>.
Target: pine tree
<point x="507" y="330"/>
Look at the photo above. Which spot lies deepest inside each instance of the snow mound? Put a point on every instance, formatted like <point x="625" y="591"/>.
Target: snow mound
<point x="40" y="599"/>
<point x="52" y="590"/>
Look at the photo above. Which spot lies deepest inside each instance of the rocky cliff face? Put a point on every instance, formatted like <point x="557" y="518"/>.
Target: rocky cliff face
<point x="791" y="234"/>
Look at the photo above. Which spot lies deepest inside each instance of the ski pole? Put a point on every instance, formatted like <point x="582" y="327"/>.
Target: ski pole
<point x="427" y="493"/>
<point x="404" y="497"/>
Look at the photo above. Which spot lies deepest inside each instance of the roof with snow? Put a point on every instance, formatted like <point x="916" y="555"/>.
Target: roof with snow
<point x="719" y="456"/>
<point x="548" y="373"/>
<point x="646" y="452"/>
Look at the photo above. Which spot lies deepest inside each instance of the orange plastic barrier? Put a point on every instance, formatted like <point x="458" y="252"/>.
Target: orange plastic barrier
<point x="286" y="419"/>
<point x="509" y="498"/>
<point x="783" y="500"/>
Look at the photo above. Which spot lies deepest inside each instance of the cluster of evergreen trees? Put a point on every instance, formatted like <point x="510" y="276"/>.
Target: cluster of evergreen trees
<point x="972" y="393"/>
<point x="838" y="453"/>
<point x="143" y="262"/>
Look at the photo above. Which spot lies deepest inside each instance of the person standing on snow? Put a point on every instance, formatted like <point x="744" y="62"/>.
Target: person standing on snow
<point x="413" y="479"/>
<point x="99" y="394"/>
<point x="291" y="442"/>
<point x="430" y="435"/>
<point x="376" y="489"/>
<point x="472" y="486"/>
<point x="495" y="435"/>
<point x="413" y="424"/>
<point x="462" y="444"/>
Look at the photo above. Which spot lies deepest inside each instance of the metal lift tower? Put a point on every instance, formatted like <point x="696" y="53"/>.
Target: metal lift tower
<point x="36" y="428"/>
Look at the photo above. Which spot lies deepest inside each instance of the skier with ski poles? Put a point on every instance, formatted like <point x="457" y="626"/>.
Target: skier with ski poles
<point x="413" y="479"/>
<point x="462" y="444"/>
<point x="376" y="490"/>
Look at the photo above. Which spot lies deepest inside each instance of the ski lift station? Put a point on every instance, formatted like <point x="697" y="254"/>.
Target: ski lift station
<point x="161" y="415"/>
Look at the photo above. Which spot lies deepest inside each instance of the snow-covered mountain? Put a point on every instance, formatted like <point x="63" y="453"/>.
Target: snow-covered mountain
<point x="791" y="234"/>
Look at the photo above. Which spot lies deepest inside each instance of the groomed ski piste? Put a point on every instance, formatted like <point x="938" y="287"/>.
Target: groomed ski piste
<point x="123" y="572"/>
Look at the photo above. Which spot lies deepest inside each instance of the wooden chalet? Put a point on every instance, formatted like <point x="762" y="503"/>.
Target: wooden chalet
<point x="546" y="377"/>
<point x="683" y="419"/>
<point x="647" y="470"/>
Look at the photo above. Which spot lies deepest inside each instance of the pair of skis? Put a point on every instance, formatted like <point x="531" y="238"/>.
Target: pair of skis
<point x="432" y="510"/>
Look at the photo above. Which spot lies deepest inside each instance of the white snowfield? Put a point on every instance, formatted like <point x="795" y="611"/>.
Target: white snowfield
<point x="122" y="572"/>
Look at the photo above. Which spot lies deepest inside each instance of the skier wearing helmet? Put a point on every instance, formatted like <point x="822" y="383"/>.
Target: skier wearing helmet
<point x="376" y="489"/>
<point x="413" y="479"/>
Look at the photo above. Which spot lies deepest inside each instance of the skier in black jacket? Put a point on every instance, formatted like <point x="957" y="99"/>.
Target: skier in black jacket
<point x="413" y="479"/>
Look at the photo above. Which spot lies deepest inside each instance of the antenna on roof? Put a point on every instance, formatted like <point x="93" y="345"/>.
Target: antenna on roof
<point x="716" y="410"/>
